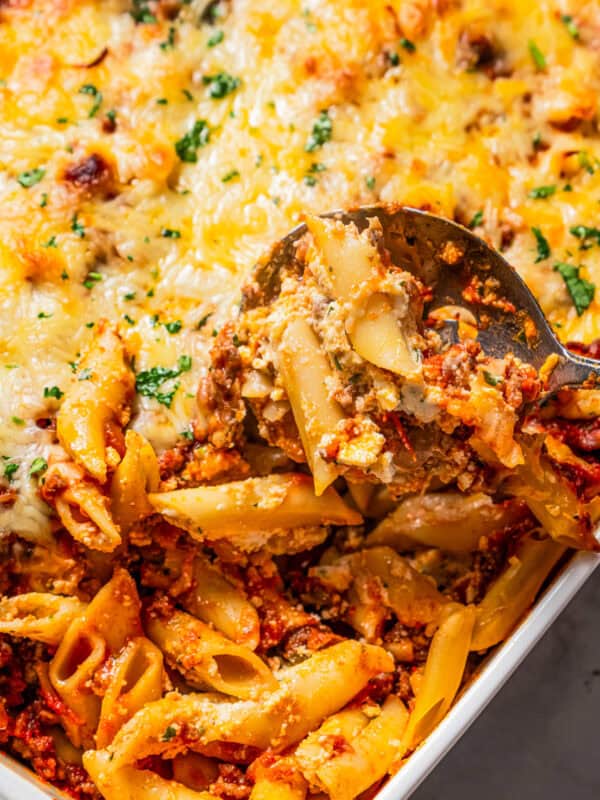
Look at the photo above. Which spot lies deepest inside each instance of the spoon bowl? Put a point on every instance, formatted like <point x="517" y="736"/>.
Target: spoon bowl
<point x="461" y="270"/>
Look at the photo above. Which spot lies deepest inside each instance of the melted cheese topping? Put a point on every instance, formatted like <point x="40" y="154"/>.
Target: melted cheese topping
<point x="456" y="106"/>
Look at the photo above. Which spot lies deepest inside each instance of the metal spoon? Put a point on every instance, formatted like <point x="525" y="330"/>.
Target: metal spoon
<point x="449" y="259"/>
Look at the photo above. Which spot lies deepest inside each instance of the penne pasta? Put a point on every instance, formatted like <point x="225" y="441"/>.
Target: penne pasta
<point x="450" y="520"/>
<point x="129" y="783"/>
<point x="513" y="592"/>
<point x="216" y="601"/>
<point x="136" y="678"/>
<point x="136" y="475"/>
<point x="369" y="756"/>
<point x="93" y="402"/>
<point x="41" y="616"/>
<point x="206" y="658"/>
<point x="256" y="504"/>
<point x="351" y="263"/>
<point x="83" y="510"/>
<point x="443" y="673"/>
<point x="308" y="693"/>
<point x="277" y="780"/>
<point x="335" y="734"/>
<point x="308" y="380"/>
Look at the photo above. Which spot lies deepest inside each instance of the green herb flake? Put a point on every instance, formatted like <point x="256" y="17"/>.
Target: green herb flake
<point x="585" y="162"/>
<point x="31" y="177"/>
<point x="141" y="12"/>
<point x="490" y="379"/>
<point x="230" y="176"/>
<point x="62" y="120"/>
<point x="18" y="421"/>
<point x="543" y="248"/>
<point x="220" y="85"/>
<point x="215" y="39"/>
<point x="370" y="182"/>
<point x="92" y="91"/>
<point x="322" y="131"/>
<point x="570" y="25"/>
<point x="162" y="101"/>
<point x="581" y="291"/>
<point x="585" y="234"/>
<point x="337" y="363"/>
<point x="85" y="375"/>
<point x="50" y="243"/>
<point x="477" y="219"/>
<point x="169" y="42"/>
<point x="409" y="46"/>
<point x="539" y="59"/>
<point x="77" y="227"/>
<point x="149" y="383"/>
<point x="92" y="278"/>
<point x="43" y="315"/>
<point x="128" y="319"/>
<point x="170" y="233"/>
<point x="542" y="192"/>
<point x="9" y="470"/>
<point x="203" y="320"/>
<point x="53" y="391"/>
<point x="44" y="200"/>
<point x="393" y="58"/>
<point x="38" y="466"/>
<point x="188" y="435"/>
<point x="187" y="147"/>
<point x="129" y="296"/>
<point x="173" y="327"/>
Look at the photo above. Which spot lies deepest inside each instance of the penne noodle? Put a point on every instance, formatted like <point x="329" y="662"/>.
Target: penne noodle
<point x="449" y="520"/>
<point x="136" y="678"/>
<point x="443" y="673"/>
<point x="308" y="693"/>
<point x="129" y="783"/>
<point x="91" y="403"/>
<point x="369" y="756"/>
<point x="83" y="510"/>
<point x="307" y="379"/>
<point x="351" y="263"/>
<point x="137" y="474"/>
<point x="206" y="658"/>
<point x="279" y="780"/>
<point x="514" y="591"/>
<point x="256" y="504"/>
<point x="216" y="601"/>
<point x="41" y="616"/>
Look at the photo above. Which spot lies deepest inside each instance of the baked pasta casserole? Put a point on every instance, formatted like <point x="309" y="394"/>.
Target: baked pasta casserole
<point x="258" y="534"/>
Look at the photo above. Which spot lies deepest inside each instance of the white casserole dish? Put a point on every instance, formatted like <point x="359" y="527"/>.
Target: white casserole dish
<point x="18" y="783"/>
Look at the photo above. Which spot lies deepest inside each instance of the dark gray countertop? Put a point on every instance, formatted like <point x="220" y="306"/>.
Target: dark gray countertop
<point x="538" y="739"/>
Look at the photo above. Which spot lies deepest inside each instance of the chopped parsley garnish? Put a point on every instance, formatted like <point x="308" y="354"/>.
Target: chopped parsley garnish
<point x="111" y="114"/>
<point x="581" y="291"/>
<point x="542" y="192"/>
<point x="77" y="228"/>
<point x="477" y="219"/>
<point x="38" y="465"/>
<point x="170" y="233"/>
<point x="44" y="200"/>
<point x="128" y="319"/>
<point x="173" y="327"/>
<point x="585" y="233"/>
<point x="314" y="169"/>
<point x="187" y="147"/>
<point x="490" y="379"/>
<point x="393" y="58"/>
<point x="85" y="375"/>
<point x="18" y="421"/>
<point x="202" y="322"/>
<point x="9" y="470"/>
<point x="92" y="278"/>
<point x="187" y="94"/>
<point x="370" y="182"/>
<point x="141" y="12"/>
<point x="221" y="84"/>
<point x="543" y="248"/>
<point x="537" y="141"/>
<point x="539" y="59"/>
<point x="162" y="101"/>
<point x="169" y="42"/>
<point x="231" y="175"/>
<point x="31" y="177"/>
<point x="570" y="25"/>
<point x="62" y="120"/>
<point x="53" y="391"/>
<point x="188" y="435"/>
<point x="169" y="733"/>
<point x="409" y="46"/>
<point x="89" y="324"/>
<point x="584" y="161"/>
<point x="215" y="39"/>
<point x="51" y="242"/>
<point x="150" y="382"/>
<point x="89" y="88"/>
<point x="129" y="296"/>
<point x="43" y="315"/>
<point x="322" y="131"/>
